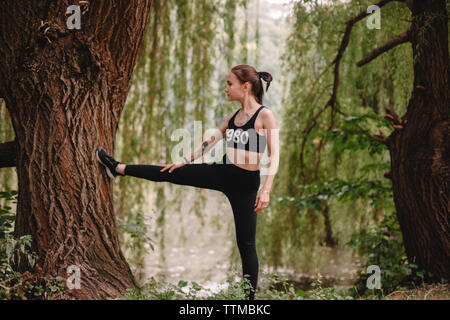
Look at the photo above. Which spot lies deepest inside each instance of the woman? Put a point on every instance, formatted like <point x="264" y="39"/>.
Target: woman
<point x="247" y="132"/>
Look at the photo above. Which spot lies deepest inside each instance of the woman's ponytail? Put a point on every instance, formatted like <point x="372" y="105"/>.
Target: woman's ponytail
<point x="267" y="77"/>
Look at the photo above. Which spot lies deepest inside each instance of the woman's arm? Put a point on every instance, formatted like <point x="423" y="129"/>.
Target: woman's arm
<point x="209" y="143"/>
<point x="273" y="148"/>
<point x="270" y="127"/>
<point x="205" y="146"/>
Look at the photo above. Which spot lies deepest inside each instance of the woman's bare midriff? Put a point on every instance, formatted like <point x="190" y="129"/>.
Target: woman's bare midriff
<point x="248" y="160"/>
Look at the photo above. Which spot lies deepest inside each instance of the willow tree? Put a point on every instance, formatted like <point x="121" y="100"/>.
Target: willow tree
<point x="316" y="170"/>
<point x="419" y="143"/>
<point x="65" y="90"/>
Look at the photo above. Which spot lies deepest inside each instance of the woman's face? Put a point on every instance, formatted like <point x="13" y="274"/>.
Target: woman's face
<point x="235" y="90"/>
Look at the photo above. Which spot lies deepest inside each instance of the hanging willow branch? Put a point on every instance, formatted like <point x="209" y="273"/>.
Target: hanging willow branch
<point x="401" y="38"/>
<point x="336" y="62"/>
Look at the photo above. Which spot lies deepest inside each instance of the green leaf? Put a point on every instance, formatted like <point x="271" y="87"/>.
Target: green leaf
<point x="300" y="293"/>
<point x="196" y="286"/>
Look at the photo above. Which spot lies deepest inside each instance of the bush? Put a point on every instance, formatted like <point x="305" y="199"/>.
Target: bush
<point x="383" y="247"/>
<point x="15" y="285"/>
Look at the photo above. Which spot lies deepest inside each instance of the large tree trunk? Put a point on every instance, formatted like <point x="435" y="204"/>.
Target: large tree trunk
<point x="65" y="90"/>
<point x="420" y="153"/>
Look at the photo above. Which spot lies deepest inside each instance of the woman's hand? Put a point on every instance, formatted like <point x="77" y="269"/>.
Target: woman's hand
<point x="173" y="166"/>
<point x="262" y="200"/>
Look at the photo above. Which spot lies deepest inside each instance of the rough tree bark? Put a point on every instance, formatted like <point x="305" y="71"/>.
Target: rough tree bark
<point x="65" y="90"/>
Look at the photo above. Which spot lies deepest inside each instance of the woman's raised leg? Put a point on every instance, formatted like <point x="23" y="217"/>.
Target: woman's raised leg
<point x="200" y="175"/>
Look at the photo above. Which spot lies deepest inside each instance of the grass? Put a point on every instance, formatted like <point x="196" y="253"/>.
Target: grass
<point x="274" y="287"/>
<point x="426" y="292"/>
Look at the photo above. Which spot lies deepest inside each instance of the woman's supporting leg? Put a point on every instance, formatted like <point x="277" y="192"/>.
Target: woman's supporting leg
<point x="245" y="224"/>
<point x="200" y="175"/>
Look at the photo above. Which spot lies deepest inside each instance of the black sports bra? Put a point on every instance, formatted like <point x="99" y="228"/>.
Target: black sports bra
<point x="245" y="137"/>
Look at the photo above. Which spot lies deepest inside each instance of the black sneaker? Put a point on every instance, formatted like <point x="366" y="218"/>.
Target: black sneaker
<point x="105" y="159"/>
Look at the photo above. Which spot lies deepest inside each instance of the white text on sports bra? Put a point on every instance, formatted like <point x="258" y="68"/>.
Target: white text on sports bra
<point x="237" y="135"/>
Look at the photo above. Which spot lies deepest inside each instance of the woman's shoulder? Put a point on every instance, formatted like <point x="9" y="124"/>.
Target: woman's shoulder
<point x="266" y="111"/>
<point x="267" y="117"/>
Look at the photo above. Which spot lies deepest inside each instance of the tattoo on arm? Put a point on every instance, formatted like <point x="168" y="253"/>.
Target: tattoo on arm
<point x="204" y="145"/>
<point x="199" y="151"/>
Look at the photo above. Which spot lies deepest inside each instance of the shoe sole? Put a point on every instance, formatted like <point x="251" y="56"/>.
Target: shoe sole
<point x="107" y="169"/>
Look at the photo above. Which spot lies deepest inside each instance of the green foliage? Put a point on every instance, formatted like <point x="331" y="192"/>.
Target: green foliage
<point x="278" y="287"/>
<point x="161" y="290"/>
<point x="318" y="292"/>
<point x="234" y="291"/>
<point x="6" y="216"/>
<point x="135" y="240"/>
<point x="134" y="225"/>
<point x="383" y="246"/>
<point x="322" y="191"/>
<point x="272" y="287"/>
<point x="351" y="136"/>
<point x="13" y="252"/>
<point x="12" y="249"/>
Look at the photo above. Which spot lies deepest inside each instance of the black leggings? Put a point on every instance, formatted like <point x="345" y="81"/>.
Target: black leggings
<point x="239" y="185"/>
